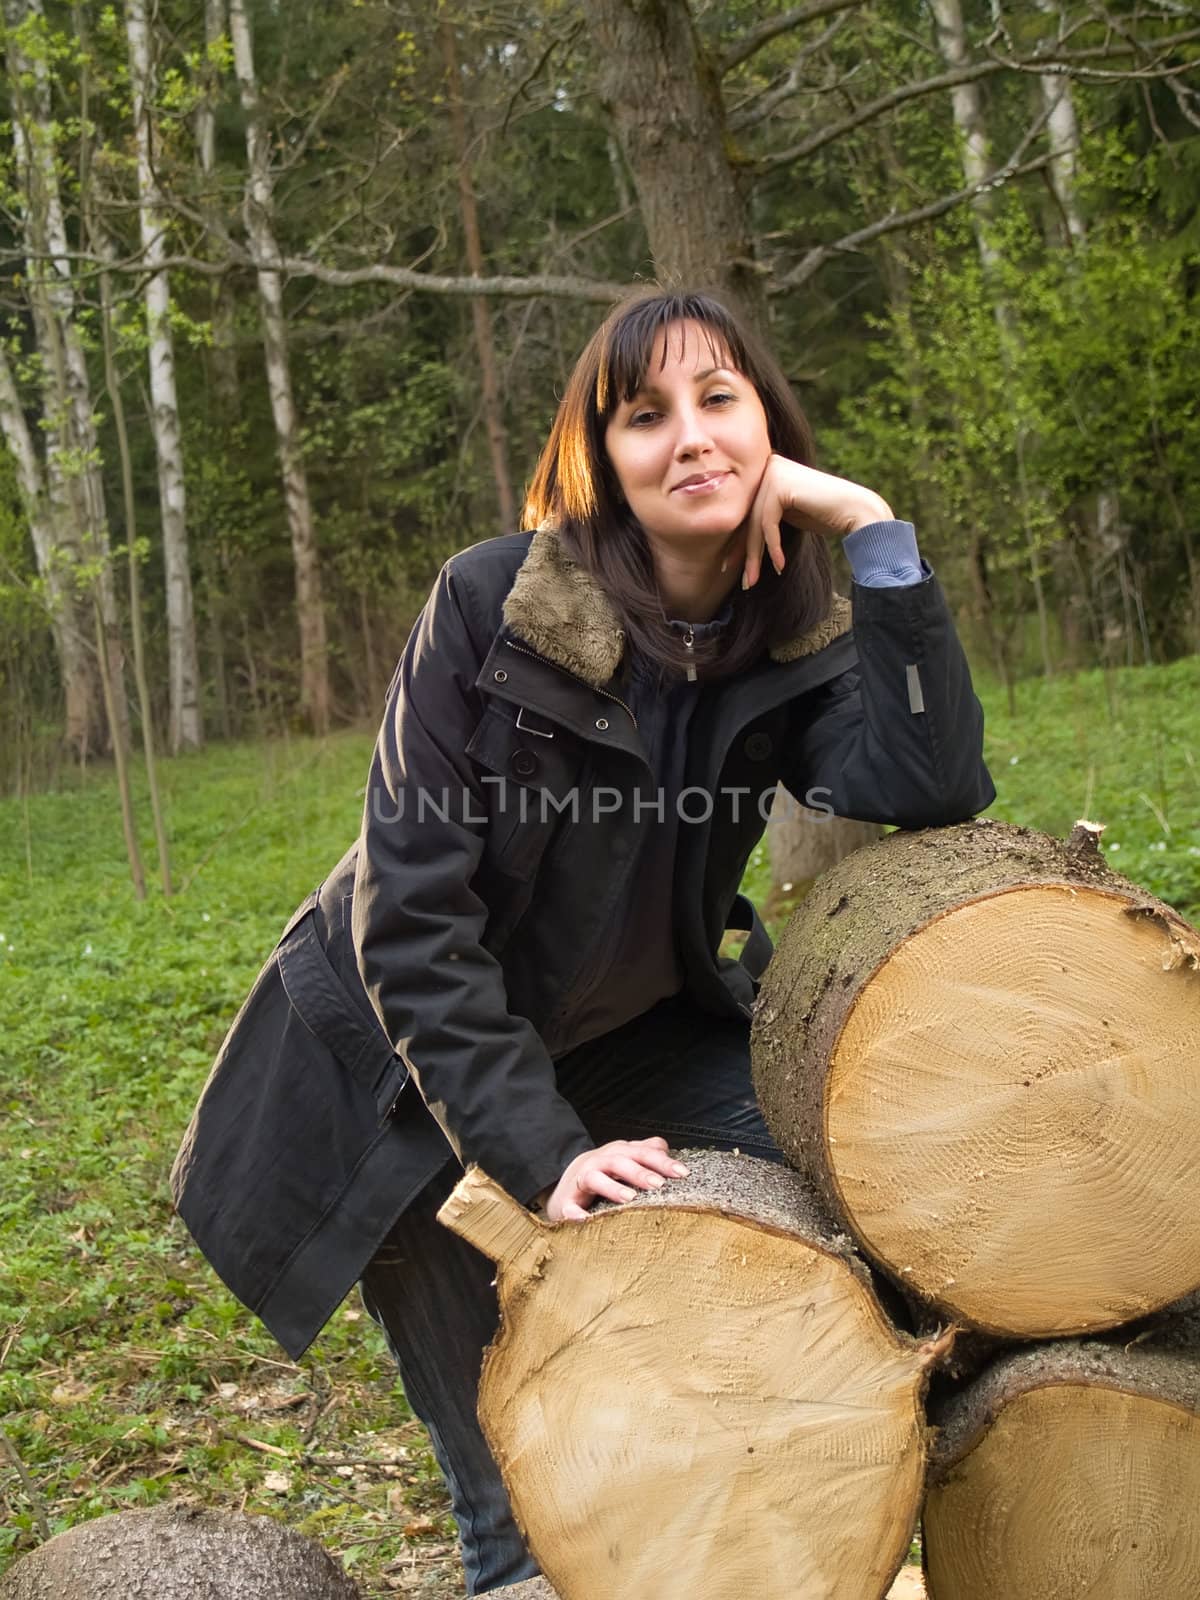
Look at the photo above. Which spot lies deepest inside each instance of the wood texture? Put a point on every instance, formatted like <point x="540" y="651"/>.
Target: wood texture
<point x="976" y="1042"/>
<point x="698" y="1393"/>
<point x="1069" y="1469"/>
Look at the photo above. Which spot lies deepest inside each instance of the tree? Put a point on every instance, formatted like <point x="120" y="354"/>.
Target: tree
<point x="186" y="727"/>
<point x="260" y="229"/>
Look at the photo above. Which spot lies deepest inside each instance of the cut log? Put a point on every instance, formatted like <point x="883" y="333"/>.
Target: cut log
<point x="1069" y="1469"/>
<point x="697" y="1393"/>
<point x="979" y="1044"/>
<point x="908" y="1586"/>
<point x="178" y="1553"/>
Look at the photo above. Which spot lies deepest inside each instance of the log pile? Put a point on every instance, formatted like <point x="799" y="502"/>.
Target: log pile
<point x="978" y="1047"/>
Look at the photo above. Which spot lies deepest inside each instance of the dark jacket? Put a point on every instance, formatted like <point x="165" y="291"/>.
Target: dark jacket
<point x="499" y="827"/>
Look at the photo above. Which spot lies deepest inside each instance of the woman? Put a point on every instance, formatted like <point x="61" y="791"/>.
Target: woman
<point x="577" y="758"/>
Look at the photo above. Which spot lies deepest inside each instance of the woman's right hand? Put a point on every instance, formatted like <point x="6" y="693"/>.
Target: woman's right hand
<point x="614" y="1171"/>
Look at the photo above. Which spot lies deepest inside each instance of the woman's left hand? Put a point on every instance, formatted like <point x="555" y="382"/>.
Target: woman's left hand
<point x="790" y="492"/>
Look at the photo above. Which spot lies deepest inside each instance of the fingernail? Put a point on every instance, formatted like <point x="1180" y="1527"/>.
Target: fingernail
<point x="745" y="580"/>
<point x="657" y="1180"/>
<point x="724" y="563"/>
<point x="682" y="1172"/>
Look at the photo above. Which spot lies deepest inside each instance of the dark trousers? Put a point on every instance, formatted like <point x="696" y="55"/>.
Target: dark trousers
<point x="674" y="1071"/>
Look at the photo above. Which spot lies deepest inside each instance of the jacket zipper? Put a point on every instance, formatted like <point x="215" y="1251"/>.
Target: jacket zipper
<point x="689" y="644"/>
<point x="521" y="651"/>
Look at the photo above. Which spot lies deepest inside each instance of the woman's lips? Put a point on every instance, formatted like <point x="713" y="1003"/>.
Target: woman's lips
<point x="709" y="484"/>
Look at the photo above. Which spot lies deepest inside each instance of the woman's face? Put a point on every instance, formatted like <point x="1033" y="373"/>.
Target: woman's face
<point x="691" y="446"/>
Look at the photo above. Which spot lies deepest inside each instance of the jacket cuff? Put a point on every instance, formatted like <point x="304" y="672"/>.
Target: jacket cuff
<point x="884" y="555"/>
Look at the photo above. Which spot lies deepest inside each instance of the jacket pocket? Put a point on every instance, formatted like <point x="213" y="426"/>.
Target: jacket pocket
<point x="531" y="771"/>
<point x="297" y="1098"/>
<point x="320" y="1000"/>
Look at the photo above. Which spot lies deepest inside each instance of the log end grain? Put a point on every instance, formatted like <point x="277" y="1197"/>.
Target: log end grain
<point x="978" y="1044"/>
<point x="693" y="1364"/>
<point x="1068" y="1469"/>
<point x="178" y="1552"/>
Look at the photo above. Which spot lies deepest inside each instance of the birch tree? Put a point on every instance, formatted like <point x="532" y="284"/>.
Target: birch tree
<point x="185" y="726"/>
<point x="260" y="230"/>
<point x="81" y="687"/>
<point x="975" y="154"/>
<point x="75" y="490"/>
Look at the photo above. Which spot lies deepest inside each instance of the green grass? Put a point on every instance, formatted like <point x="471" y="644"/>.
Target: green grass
<point x="127" y="1374"/>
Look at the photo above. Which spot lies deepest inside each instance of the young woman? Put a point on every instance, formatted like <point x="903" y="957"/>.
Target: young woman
<point x="518" y="963"/>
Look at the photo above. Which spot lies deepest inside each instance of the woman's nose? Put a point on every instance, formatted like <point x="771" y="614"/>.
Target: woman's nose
<point x="692" y="434"/>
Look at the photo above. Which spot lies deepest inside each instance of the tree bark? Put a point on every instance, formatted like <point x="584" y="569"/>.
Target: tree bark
<point x="976" y="1043"/>
<point x="112" y="383"/>
<point x="663" y="95"/>
<point x="717" y="1352"/>
<point x="178" y="1553"/>
<point x="73" y="468"/>
<point x="260" y="228"/>
<point x="81" y="690"/>
<point x="186" y="731"/>
<point x="1071" y="1468"/>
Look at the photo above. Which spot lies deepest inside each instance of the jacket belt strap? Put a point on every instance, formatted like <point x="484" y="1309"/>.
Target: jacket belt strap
<point x="758" y="949"/>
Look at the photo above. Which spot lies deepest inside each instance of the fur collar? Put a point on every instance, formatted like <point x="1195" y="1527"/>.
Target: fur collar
<point x="561" y="610"/>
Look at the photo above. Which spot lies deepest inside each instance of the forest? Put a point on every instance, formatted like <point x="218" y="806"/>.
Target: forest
<point x="290" y="288"/>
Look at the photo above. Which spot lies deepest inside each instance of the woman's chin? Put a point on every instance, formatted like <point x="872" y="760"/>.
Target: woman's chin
<point x="712" y="529"/>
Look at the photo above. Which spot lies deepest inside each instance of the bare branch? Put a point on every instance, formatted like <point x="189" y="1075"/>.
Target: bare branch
<point x="552" y="286"/>
<point x="755" y="38"/>
<point x="758" y="107"/>
<point x="820" y="254"/>
<point x="1068" y="64"/>
<point x="1182" y="96"/>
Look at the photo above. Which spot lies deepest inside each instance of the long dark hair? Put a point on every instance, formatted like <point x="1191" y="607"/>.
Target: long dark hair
<point x="575" y="489"/>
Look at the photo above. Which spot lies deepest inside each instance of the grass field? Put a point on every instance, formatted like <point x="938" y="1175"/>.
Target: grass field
<point x="127" y="1374"/>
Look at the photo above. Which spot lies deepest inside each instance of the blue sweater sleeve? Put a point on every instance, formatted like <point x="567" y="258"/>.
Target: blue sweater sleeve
<point x="884" y="555"/>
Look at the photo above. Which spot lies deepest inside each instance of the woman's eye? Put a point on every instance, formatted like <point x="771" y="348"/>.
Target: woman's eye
<point x="721" y="397"/>
<point x="639" y="418"/>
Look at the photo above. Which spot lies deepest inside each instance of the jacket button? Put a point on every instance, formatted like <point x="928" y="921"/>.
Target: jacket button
<point x="602" y="724"/>
<point x="524" y="763"/>
<point x="500" y="675"/>
<point x="759" y="746"/>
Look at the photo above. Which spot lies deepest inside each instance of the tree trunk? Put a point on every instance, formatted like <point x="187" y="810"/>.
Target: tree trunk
<point x="178" y="1553"/>
<point x="977" y="1042"/>
<point x="802" y="844"/>
<point x="664" y="98"/>
<point x="718" y="1355"/>
<point x="1069" y="1469"/>
<point x="975" y="152"/>
<point x="1058" y="97"/>
<point x="81" y="691"/>
<point x="186" y="730"/>
<point x="222" y="310"/>
<point x="73" y="468"/>
<point x="489" y="381"/>
<point x="112" y="383"/>
<point x="260" y="228"/>
<point x="967" y="101"/>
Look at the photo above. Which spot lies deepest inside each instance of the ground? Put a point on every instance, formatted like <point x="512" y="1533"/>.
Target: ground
<point x="127" y="1374"/>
